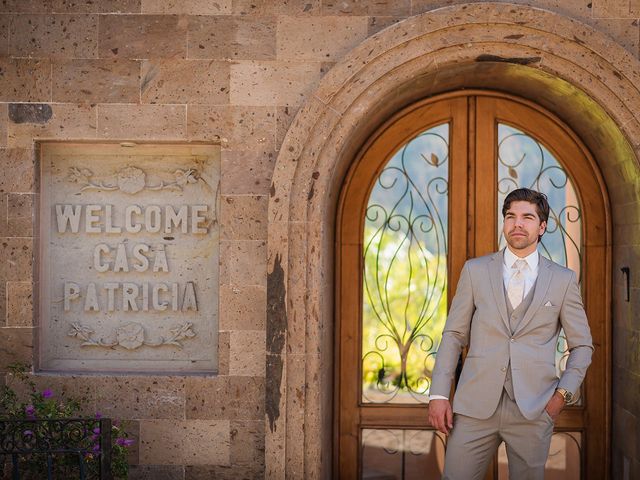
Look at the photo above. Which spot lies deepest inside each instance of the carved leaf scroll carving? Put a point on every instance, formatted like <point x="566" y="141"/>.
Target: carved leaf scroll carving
<point x="131" y="335"/>
<point x="131" y="180"/>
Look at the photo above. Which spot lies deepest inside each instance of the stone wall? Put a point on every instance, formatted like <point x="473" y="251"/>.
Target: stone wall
<point x="234" y="72"/>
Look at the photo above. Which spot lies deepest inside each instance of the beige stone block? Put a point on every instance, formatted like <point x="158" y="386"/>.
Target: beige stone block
<point x="378" y="23"/>
<point x="276" y="7"/>
<point x="156" y="472"/>
<point x="141" y="397"/>
<point x="96" y="81"/>
<point x="29" y="122"/>
<point x="624" y="31"/>
<point x="273" y="83"/>
<point x="186" y="442"/>
<point x="4" y="229"/>
<point x="4" y="120"/>
<point x="366" y="7"/>
<point x="319" y="38"/>
<point x="243" y="217"/>
<point x="187" y="7"/>
<point x="234" y="38"/>
<point x="185" y="81"/>
<point x="3" y="299"/>
<point x="70" y="36"/>
<point x="284" y="117"/>
<point x="240" y="128"/>
<point x="20" y="162"/>
<point x="221" y="472"/>
<point x="275" y="409"/>
<point x="242" y="308"/>
<point x="143" y="36"/>
<point x="17" y="261"/>
<point x="247" y="353"/>
<point x="20" y="214"/>
<point x="296" y="399"/>
<point x="221" y="397"/>
<point x="243" y="262"/>
<point x="16" y="345"/>
<point x="103" y="6"/>
<point x="25" y="80"/>
<point x="247" y="444"/>
<point x="246" y="171"/>
<point x="4" y="34"/>
<point x="223" y="353"/>
<point x="611" y="8"/>
<point x="70" y="6"/>
<point x="142" y="121"/>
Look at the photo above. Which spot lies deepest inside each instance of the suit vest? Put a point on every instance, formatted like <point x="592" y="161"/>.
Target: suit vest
<point x="515" y="317"/>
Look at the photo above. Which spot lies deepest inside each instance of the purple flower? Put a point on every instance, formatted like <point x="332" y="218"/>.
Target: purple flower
<point x="30" y="411"/>
<point x="98" y="415"/>
<point x="47" y="393"/>
<point x="96" y="448"/>
<point x="28" y="433"/>
<point x="124" y="442"/>
<point x="96" y="430"/>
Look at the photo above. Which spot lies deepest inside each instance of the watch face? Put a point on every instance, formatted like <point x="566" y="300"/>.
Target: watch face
<point x="568" y="396"/>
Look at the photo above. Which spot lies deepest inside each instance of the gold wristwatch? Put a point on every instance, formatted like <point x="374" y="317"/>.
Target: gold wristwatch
<point x="566" y="394"/>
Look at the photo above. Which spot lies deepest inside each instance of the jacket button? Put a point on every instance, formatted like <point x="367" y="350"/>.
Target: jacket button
<point x="504" y="369"/>
<point x="512" y="340"/>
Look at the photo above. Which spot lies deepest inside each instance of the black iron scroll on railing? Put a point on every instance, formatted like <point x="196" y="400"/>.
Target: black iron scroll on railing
<point x="56" y="449"/>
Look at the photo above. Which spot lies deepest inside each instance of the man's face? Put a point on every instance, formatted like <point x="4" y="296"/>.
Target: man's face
<point x="522" y="226"/>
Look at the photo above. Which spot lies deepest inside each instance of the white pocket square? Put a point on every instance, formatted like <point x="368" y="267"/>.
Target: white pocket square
<point x="548" y="304"/>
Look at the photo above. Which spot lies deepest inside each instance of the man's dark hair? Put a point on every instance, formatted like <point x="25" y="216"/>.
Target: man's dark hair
<point x="539" y="199"/>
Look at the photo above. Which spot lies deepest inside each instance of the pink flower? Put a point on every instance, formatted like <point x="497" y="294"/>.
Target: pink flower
<point x="47" y="393"/>
<point x="30" y="411"/>
<point x="124" y="442"/>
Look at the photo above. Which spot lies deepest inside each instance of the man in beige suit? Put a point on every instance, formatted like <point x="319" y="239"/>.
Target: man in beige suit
<point x="508" y="309"/>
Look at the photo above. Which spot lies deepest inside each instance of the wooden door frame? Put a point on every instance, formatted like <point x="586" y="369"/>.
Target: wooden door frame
<point x="599" y="251"/>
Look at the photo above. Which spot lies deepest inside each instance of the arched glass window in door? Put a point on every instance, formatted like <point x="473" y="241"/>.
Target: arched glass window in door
<point x="404" y="304"/>
<point x="525" y="162"/>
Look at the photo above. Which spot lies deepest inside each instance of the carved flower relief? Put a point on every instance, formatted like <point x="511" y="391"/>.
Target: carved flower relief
<point x="130" y="335"/>
<point x="131" y="180"/>
<point x="78" y="175"/>
<point x="185" y="176"/>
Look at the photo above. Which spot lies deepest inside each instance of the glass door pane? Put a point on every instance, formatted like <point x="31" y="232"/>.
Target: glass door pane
<point x="405" y="270"/>
<point x="525" y="162"/>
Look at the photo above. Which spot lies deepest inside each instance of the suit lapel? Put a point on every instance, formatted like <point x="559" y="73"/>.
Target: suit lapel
<point x="545" y="275"/>
<point x="497" y="285"/>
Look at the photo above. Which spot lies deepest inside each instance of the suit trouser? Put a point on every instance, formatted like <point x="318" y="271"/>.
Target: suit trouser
<point x="473" y="442"/>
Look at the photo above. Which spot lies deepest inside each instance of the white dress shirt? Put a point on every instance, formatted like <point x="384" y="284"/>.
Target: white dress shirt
<point x="508" y="270"/>
<point x="530" y="274"/>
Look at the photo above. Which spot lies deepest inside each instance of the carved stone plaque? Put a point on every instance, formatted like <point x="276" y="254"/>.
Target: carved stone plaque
<point x="128" y="258"/>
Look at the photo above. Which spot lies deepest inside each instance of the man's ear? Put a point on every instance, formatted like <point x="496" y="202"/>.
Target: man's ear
<point x="543" y="228"/>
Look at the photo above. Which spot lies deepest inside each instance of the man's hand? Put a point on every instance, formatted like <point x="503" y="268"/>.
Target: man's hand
<point x="555" y="405"/>
<point x="441" y="415"/>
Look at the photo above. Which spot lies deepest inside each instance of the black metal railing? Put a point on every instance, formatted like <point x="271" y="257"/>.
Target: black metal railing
<point x="58" y="448"/>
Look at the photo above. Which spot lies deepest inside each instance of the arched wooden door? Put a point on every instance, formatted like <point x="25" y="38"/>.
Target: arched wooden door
<point x="423" y="196"/>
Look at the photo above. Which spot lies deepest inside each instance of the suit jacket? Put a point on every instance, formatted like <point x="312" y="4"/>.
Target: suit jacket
<point x="478" y="318"/>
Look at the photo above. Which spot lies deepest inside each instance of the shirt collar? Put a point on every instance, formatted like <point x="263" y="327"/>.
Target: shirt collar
<point x="532" y="259"/>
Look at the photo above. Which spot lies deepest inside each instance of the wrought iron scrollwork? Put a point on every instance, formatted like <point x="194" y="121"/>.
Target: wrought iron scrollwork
<point x="404" y="278"/>
<point x="80" y="447"/>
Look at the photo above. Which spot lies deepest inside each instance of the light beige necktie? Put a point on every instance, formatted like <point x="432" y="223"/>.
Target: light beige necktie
<point x="515" y="287"/>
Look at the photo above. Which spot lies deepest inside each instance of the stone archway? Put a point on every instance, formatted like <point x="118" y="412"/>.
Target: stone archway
<point x="581" y="75"/>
